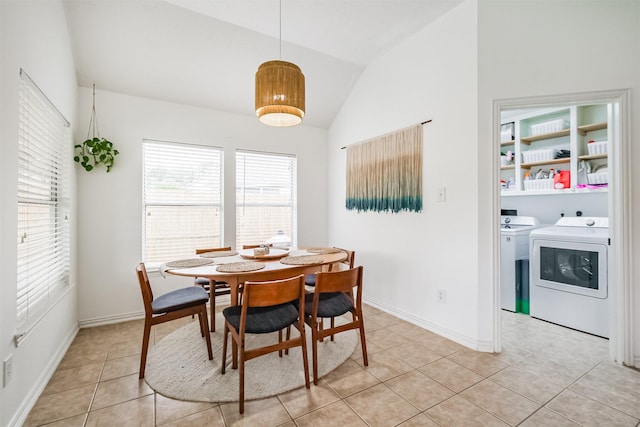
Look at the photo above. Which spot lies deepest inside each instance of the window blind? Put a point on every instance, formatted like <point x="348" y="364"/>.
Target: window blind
<point x="43" y="241"/>
<point x="266" y="193"/>
<point x="182" y="199"/>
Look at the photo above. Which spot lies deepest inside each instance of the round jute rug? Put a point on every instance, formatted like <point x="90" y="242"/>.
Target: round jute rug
<point x="178" y="366"/>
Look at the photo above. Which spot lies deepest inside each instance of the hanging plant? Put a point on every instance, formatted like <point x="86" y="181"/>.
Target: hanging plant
<point x="95" y="150"/>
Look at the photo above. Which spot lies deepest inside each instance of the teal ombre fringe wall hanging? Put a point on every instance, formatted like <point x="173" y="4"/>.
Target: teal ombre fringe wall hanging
<point x="385" y="174"/>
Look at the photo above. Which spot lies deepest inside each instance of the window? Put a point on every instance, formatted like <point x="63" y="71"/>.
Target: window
<point x="43" y="241"/>
<point x="266" y="205"/>
<point x="182" y="199"/>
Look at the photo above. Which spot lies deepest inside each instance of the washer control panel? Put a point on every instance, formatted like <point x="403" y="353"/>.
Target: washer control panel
<point x="583" y="221"/>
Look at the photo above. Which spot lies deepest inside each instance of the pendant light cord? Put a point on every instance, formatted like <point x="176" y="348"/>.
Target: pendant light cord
<point x="281" y="30"/>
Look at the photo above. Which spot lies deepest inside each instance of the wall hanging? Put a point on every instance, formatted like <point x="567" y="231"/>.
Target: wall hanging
<point x="384" y="174"/>
<point x="95" y="150"/>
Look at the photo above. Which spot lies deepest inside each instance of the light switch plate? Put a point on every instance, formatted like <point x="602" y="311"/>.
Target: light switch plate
<point x="442" y="194"/>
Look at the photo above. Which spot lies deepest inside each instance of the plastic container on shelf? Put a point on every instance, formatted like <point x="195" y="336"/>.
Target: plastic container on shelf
<point x="537" y="155"/>
<point x="538" y="184"/>
<point x="549" y="127"/>
<point x="599" y="147"/>
<point x="598" y="178"/>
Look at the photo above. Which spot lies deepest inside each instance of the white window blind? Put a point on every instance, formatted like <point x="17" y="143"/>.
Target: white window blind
<point x="182" y="199"/>
<point x="43" y="241"/>
<point x="266" y="205"/>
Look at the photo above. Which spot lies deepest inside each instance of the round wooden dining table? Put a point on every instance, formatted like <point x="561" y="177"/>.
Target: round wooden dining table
<point x="275" y="267"/>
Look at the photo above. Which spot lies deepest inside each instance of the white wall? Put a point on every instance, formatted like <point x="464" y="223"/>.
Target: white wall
<point x="408" y="256"/>
<point x="528" y="49"/>
<point x="34" y="36"/>
<point x="547" y="208"/>
<point x="110" y="204"/>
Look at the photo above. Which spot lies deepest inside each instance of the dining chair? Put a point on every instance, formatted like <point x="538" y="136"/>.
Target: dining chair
<point x="215" y="288"/>
<point x="335" y="293"/>
<point x="265" y="307"/>
<point x="310" y="279"/>
<point x="170" y="306"/>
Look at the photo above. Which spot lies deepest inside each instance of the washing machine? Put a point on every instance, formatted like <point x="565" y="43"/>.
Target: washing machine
<point x="569" y="274"/>
<point x="514" y="261"/>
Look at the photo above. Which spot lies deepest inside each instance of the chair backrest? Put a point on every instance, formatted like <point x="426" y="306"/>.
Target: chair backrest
<point x="145" y="288"/>
<point x="348" y="261"/>
<point x="339" y="281"/>
<point x="204" y="251"/>
<point x="274" y="292"/>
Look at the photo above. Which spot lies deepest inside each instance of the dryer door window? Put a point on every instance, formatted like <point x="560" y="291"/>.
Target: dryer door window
<point x="569" y="266"/>
<point x="579" y="268"/>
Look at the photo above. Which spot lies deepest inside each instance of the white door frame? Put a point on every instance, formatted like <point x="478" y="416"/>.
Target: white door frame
<point x="621" y="296"/>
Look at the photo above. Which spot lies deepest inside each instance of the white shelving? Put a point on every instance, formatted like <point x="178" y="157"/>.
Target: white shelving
<point x="583" y="123"/>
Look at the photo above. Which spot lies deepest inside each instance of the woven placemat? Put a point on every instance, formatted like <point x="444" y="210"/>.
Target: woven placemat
<point x="238" y="267"/>
<point x="187" y="263"/>
<point x="218" y="254"/>
<point x="324" y="250"/>
<point x="301" y="260"/>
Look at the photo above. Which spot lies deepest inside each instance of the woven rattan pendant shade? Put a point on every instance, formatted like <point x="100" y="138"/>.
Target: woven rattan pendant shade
<point x="280" y="93"/>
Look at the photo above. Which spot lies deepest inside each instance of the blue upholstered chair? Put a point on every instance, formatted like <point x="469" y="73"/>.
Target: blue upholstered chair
<point x="265" y="307"/>
<point x="173" y="305"/>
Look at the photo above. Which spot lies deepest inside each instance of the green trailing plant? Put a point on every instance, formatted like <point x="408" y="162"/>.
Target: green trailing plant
<point x="95" y="150"/>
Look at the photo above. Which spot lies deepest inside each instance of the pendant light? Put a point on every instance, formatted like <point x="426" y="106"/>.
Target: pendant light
<point x="280" y="91"/>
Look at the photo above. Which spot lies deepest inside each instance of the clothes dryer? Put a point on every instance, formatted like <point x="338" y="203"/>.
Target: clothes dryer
<point x="569" y="274"/>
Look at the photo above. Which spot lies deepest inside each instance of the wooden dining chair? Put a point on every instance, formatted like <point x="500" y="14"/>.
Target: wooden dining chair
<point x="170" y="306"/>
<point x="348" y="262"/>
<point x="215" y="288"/>
<point x="335" y="293"/>
<point x="265" y="307"/>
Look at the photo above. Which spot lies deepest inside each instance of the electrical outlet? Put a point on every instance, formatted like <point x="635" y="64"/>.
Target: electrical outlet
<point x="442" y="296"/>
<point x="7" y="370"/>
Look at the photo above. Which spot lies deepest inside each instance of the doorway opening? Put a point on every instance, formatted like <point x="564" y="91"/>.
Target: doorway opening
<point x="565" y="157"/>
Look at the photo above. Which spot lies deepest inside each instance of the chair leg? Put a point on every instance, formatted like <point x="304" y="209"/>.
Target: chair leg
<point x="280" y="341"/>
<point x="305" y="360"/>
<point x="333" y="320"/>
<point x="286" y="350"/>
<point x="225" y="335"/>
<point x="205" y="327"/>
<point x="212" y="303"/>
<point x="201" y="327"/>
<point x="363" y="341"/>
<point x="242" y="379"/>
<point x="314" y="345"/>
<point x="145" y="347"/>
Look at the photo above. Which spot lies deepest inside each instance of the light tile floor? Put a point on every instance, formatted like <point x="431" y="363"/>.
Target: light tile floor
<point x="546" y="376"/>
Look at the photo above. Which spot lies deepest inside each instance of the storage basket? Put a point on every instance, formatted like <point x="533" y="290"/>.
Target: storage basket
<point x="598" y="178"/>
<point x="599" y="147"/>
<point x="549" y="127"/>
<point x="537" y="155"/>
<point x="538" y="184"/>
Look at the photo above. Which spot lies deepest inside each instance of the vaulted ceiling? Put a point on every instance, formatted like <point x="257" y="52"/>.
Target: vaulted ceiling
<point x="205" y="53"/>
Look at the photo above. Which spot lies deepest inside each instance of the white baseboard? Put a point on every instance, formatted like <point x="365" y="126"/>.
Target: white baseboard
<point x="37" y="389"/>
<point x="433" y="327"/>
<point x="108" y="320"/>
<point x="125" y="317"/>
